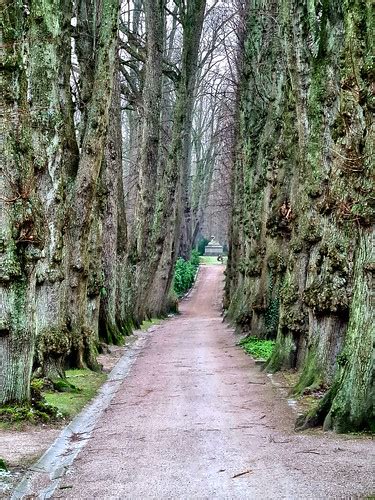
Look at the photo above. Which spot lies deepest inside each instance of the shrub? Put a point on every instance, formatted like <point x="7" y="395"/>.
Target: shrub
<point x="195" y="258"/>
<point x="258" y="348"/>
<point x="184" y="273"/>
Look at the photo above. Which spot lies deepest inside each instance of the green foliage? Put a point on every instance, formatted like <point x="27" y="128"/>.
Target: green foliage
<point x="258" y="348"/>
<point x="202" y="245"/>
<point x="194" y="259"/>
<point x="184" y="275"/>
<point x="3" y="465"/>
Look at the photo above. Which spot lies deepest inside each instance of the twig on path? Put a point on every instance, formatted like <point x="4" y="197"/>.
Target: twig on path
<point x="257" y="383"/>
<point x="309" y="451"/>
<point x="271" y="439"/>
<point x="242" y="473"/>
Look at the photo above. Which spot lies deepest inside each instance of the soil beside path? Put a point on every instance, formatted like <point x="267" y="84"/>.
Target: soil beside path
<point x="195" y="418"/>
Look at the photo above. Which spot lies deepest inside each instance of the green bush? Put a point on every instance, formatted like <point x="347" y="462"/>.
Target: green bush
<point x="258" y="348"/>
<point x="184" y="273"/>
<point x="194" y="259"/>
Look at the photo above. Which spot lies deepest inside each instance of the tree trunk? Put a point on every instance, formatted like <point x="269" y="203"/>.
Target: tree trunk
<point x="56" y="158"/>
<point x="302" y="200"/>
<point x="110" y="330"/>
<point x="353" y="404"/>
<point x="149" y="149"/>
<point x="85" y="187"/>
<point x="21" y="211"/>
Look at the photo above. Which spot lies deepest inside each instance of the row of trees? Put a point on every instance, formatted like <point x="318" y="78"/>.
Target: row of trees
<point x="301" y="257"/>
<point x="111" y="117"/>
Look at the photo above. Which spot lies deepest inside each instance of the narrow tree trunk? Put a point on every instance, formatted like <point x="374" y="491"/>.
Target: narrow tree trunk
<point x="149" y="149"/>
<point x="110" y="330"/>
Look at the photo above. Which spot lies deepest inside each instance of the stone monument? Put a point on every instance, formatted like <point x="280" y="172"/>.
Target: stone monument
<point x="213" y="249"/>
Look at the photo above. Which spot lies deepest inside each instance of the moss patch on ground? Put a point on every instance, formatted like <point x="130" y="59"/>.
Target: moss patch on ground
<point x="149" y="323"/>
<point x="258" y="348"/>
<point x="211" y="260"/>
<point x="87" y="384"/>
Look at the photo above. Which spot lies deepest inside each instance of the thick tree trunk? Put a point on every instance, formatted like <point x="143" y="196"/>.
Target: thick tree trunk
<point x="149" y="149"/>
<point x="56" y="156"/>
<point x="21" y="212"/>
<point x="302" y="199"/>
<point x="353" y="406"/>
<point x="85" y="188"/>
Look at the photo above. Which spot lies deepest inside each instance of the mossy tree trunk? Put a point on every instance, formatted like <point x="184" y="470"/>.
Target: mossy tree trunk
<point x="39" y="153"/>
<point x="55" y="159"/>
<point x="22" y="234"/>
<point x="85" y="186"/>
<point x="110" y="329"/>
<point x="302" y="196"/>
<point x="141" y="246"/>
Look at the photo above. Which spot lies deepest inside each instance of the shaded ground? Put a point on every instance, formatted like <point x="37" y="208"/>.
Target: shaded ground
<point x="195" y="418"/>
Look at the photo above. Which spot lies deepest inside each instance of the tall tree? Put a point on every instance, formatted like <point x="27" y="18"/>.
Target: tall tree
<point x="112" y="328"/>
<point x="84" y="192"/>
<point x="38" y="156"/>
<point x="168" y="216"/>
<point x="149" y="147"/>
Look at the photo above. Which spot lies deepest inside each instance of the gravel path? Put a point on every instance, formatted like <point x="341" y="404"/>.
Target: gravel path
<point x="196" y="419"/>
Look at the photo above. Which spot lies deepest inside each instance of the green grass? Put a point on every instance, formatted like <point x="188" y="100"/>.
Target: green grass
<point x="71" y="403"/>
<point x="258" y="348"/>
<point x="150" y="322"/>
<point x="205" y="259"/>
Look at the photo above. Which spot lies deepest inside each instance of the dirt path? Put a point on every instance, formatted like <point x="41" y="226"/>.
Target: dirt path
<point x="195" y="418"/>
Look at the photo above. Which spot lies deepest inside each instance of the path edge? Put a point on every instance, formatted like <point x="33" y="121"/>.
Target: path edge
<point x="56" y="460"/>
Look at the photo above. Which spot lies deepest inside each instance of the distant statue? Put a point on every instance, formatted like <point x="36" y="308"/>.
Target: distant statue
<point x="214" y="248"/>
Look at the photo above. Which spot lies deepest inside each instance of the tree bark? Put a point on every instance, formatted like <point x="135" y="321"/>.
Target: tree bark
<point x="111" y="331"/>
<point x="22" y="231"/>
<point x="56" y="159"/>
<point x="85" y="187"/>
<point x="149" y="149"/>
